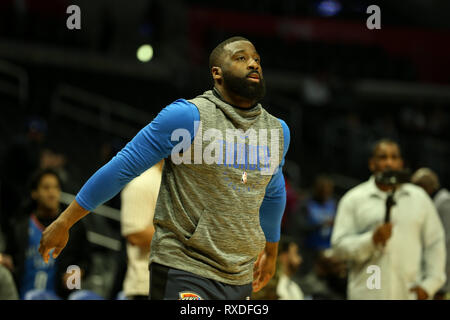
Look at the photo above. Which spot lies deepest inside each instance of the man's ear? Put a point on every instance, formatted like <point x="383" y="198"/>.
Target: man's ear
<point x="216" y="73"/>
<point x="34" y="195"/>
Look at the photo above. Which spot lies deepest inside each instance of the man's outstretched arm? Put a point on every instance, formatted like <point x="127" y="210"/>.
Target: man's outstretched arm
<point x="147" y="148"/>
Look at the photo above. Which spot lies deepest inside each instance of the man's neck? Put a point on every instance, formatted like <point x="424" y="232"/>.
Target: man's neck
<point x="384" y="188"/>
<point x="232" y="99"/>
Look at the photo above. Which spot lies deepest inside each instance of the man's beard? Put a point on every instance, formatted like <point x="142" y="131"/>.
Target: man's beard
<point x="253" y="91"/>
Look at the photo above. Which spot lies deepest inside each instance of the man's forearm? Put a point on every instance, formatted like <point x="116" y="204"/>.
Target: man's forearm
<point x="72" y="214"/>
<point x="355" y="247"/>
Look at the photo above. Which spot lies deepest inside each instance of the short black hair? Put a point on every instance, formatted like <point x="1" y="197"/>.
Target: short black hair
<point x="215" y="58"/>
<point x="39" y="174"/>
<point x="376" y="144"/>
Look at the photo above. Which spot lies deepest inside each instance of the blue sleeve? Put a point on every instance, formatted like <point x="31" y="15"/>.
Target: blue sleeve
<point x="274" y="203"/>
<point x="147" y="148"/>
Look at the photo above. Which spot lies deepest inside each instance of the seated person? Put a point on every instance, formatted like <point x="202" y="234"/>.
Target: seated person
<point x="24" y="235"/>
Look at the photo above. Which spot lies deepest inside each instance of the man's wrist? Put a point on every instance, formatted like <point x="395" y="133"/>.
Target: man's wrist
<point x="271" y="249"/>
<point x="64" y="222"/>
<point x="71" y="215"/>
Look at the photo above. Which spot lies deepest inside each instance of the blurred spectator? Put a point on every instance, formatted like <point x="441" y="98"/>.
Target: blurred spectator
<point x="56" y="161"/>
<point x="327" y="280"/>
<point x="311" y="226"/>
<point x="23" y="238"/>
<point x="320" y="210"/>
<point x="408" y="249"/>
<point x="289" y="261"/>
<point x="22" y="158"/>
<point x="429" y="181"/>
<point x="8" y="290"/>
<point x="138" y="207"/>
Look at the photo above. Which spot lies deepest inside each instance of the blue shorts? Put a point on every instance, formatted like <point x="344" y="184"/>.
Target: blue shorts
<point x="172" y="284"/>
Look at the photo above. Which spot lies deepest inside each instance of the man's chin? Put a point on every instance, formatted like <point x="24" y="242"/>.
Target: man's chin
<point x="247" y="89"/>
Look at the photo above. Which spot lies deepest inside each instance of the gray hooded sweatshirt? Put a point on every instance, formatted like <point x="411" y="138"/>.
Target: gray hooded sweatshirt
<point x="207" y="215"/>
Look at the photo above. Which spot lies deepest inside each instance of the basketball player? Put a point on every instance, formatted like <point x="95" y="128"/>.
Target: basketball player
<point x="217" y="225"/>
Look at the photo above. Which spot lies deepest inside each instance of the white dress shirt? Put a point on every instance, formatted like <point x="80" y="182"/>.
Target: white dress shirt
<point x="287" y="289"/>
<point x="138" y="207"/>
<point x="414" y="255"/>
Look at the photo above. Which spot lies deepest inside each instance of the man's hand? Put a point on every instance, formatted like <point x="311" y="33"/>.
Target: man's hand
<point x="55" y="236"/>
<point x="420" y="292"/>
<point x="265" y="266"/>
<point x="142" y="239"/>
<point x="382" y="234"/>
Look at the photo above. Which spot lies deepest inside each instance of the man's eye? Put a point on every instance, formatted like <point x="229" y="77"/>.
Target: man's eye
<point x="241" y="58"/>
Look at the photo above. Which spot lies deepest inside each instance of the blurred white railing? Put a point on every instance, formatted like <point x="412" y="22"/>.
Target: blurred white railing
<point x="97" y="111"/>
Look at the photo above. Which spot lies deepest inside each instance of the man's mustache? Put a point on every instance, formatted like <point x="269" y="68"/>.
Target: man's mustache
<point x="254" y="72"/>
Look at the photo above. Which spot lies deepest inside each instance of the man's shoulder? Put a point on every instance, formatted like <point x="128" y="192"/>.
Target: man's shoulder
<point x="181" y="105"/>
<point x="415" y="191"/>
<point x="178" y="114"/>
<point x="275" y="122"/>
<point x="360" y="190"/>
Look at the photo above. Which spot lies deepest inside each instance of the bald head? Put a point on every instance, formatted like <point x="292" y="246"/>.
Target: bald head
<point x="427" y="179"/>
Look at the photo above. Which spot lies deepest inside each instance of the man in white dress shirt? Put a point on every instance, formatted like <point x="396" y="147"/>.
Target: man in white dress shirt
<point x="400" y="259"/>
<point x="137" y="211"/>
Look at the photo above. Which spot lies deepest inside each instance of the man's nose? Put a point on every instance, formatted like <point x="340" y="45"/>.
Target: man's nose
<point x="389" y="162"/>
<point x="253" y="65"/>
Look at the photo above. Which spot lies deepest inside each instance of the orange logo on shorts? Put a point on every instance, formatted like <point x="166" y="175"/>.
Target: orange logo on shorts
<point x="189" y="296"/>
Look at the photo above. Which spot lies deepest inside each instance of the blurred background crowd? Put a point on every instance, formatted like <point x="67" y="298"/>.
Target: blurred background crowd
<point x="71" y="99"/>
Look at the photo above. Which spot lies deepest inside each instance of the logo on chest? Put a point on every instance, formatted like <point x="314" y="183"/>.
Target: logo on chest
<point x="244" y="177"/>
<point x="253" y="150"/>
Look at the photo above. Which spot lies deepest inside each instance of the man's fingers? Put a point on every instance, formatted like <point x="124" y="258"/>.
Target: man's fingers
<point x="56" y="252"/>
<point x="46" y="255"/>
<point x="45" y="252"/>
<point x="256" y="286"/>
<point x="256" y="280"/>
<point x="260" y="282"/>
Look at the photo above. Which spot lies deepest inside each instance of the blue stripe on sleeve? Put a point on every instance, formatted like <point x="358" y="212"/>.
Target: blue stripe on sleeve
<point x="274" y="203"/>
<point x="147" y="148"/>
